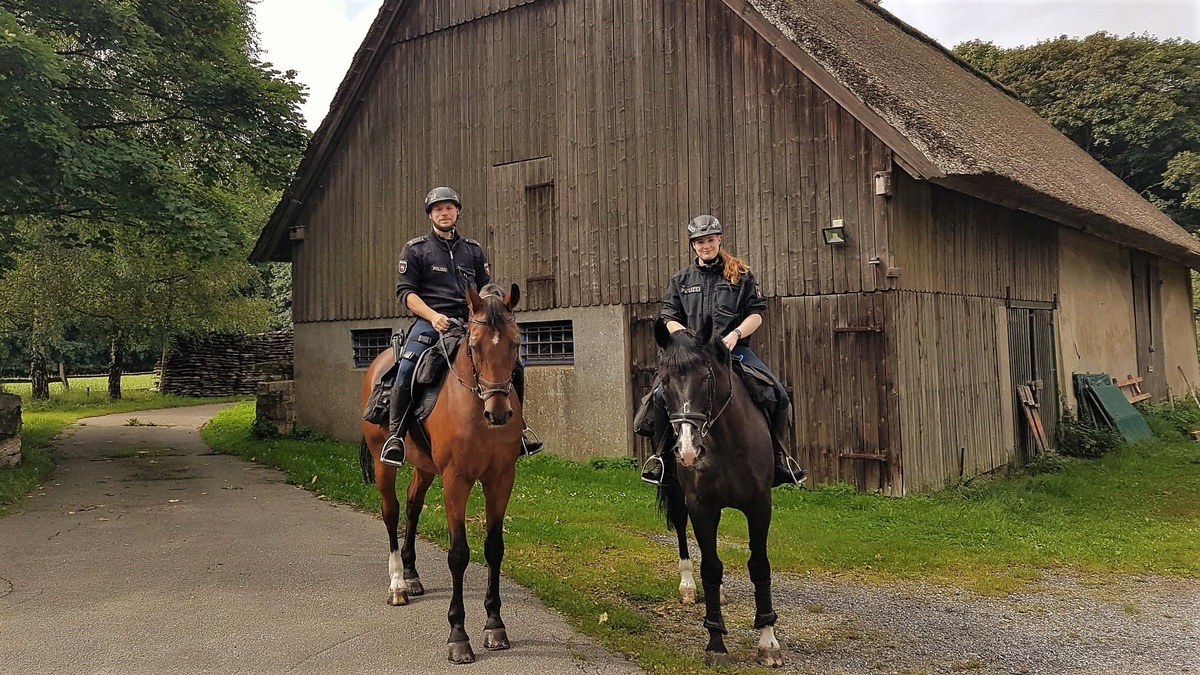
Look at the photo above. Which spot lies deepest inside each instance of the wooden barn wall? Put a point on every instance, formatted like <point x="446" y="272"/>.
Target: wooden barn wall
<point x="953" y="387"/>
<point x="947" y="242"/>
<point x="644" y="113"/>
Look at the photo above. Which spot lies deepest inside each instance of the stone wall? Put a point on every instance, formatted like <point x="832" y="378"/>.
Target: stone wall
<point x="275" y="408"/>
<point x="10" y="429"/>
<point x="226" y="365"/>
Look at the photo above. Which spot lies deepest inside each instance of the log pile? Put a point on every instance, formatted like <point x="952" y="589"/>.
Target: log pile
<point x="226" y="365"/>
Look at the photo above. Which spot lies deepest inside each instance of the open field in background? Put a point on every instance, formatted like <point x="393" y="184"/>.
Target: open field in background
<point x="43" y="420"/>
<point x="587" y="539"/>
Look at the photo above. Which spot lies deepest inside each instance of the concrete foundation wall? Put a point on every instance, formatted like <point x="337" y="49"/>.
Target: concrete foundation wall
<point x="1095" y="316"/>
<point x="10" y="429"/>
<point x="581" y="410"/>
<point x="1179" y="330"/>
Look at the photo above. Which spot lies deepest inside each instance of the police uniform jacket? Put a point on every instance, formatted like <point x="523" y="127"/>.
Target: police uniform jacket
<point x="700" y="291"/>
<point x="439" y="271"/>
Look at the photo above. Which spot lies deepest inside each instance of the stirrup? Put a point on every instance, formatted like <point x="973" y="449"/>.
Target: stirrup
<point x="648" y="473"/>
<point x="529" y="447"/>
<point x="393" y="451"/>
<point x="794" y="470"/>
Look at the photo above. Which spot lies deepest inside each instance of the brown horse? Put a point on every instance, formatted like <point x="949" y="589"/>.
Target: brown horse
<point x="469" y="436"/>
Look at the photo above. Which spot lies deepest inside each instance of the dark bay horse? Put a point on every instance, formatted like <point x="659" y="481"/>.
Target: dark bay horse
<point x="722" y="459"/>
<point x="474" y="434"/>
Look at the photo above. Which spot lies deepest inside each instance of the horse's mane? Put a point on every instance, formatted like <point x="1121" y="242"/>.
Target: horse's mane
<point x="495" y="313"/>
<point x="685" y="354"/>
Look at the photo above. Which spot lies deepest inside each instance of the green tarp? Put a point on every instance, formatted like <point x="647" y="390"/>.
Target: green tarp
<point x="1103" y="404"/>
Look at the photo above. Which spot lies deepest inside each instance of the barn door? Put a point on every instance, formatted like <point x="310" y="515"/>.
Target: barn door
<point x="1147" y="324"/>
<point x="1032" y="363"/>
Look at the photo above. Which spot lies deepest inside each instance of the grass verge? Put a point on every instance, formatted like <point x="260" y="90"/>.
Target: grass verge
<point x="585" y="537"/>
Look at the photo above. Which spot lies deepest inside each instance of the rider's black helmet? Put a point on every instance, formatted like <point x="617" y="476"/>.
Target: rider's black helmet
<point x="441" y="194"/>
<point x="702" y="226"/>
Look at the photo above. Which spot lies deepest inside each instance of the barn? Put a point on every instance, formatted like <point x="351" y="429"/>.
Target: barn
<point x="927" y="243"/>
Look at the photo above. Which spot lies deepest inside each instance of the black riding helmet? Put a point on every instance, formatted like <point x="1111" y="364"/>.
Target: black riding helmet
<point x="702" y="226"/>
<point x="441" y="194"/>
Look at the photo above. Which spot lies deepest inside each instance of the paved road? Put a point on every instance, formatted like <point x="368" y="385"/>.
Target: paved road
<point x="149" y="554"/>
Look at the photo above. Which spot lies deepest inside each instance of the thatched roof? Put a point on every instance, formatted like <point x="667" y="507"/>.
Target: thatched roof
<point x="979" y="137"/>
<point x="946" y="122"/>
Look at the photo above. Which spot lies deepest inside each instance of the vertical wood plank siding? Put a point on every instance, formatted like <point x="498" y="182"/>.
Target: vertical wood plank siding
<point x="597" y="129"/>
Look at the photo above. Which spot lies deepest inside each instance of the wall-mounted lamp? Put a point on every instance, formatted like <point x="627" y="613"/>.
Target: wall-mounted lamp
<point x="296" y="233"/>
<point x="835" y="234"/>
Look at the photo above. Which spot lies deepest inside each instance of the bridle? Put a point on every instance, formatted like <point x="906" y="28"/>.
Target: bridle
<point x="484" y="389"/>
<point x="702" y="421"/>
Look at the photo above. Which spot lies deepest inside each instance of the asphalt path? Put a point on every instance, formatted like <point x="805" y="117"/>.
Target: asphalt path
<point x="148" y="553"/>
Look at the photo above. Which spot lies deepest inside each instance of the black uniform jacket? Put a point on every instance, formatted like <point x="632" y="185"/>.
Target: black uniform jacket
<point x="439" y="271"/>
<point x="697" y="292"/>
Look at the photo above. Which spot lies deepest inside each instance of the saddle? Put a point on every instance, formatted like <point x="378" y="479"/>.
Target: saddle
<point x="428" y="376"/>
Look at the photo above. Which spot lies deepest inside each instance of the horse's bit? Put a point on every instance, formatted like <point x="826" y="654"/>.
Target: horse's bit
<point x="702" y="421"/>
<point x="492" y="388"/>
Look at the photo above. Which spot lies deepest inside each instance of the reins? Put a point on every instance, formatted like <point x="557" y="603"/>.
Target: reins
<point x="480" y="390"/>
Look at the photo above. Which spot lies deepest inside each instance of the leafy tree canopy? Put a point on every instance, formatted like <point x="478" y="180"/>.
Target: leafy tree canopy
<point x="135" y="114"/>
<point x="1133" y="103"/>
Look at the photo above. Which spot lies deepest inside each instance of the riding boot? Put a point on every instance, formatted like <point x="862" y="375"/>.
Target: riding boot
<point x="787" y="470"/>
<point x="529" y="446"/>
<point x="654" y="469"/>
<point x="393" y="447"/>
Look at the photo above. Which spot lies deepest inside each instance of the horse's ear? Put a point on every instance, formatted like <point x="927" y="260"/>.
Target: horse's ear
<point x="705" y="331"/>
<point x="661" y="335"/>
<point x="474" y="302"/>
<point x="513" y="297"/>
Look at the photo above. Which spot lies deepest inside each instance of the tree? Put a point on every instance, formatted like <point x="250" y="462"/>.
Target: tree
<point x="1132" y="103"/>
<point x="134" y="114"/>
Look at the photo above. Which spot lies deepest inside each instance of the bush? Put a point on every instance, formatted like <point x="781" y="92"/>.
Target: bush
<point x="1173" y="420"/>
<point x="1077" y="438"/>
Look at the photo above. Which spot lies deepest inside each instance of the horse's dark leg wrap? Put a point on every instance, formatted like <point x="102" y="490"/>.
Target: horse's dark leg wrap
<point x="759" y="565"/>
<point x="459" y="556"/>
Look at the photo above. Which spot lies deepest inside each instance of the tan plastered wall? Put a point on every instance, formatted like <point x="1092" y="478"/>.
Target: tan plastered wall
<point x="579" y="411"/>
<point x="1179" y="330"/>
<point x="1095" y="316"/>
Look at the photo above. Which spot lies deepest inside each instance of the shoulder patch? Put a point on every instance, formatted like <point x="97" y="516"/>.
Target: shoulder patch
<point x="472" y="241"/>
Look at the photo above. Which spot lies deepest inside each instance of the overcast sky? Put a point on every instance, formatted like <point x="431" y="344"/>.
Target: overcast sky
<point x="318" y="38"/>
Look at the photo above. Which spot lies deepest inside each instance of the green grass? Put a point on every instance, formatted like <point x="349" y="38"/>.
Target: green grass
<point x="588" y="541"/>
<point x="43" y="420"/>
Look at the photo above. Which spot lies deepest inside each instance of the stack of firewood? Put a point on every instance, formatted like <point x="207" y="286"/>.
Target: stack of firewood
<point x="225" y="365"/>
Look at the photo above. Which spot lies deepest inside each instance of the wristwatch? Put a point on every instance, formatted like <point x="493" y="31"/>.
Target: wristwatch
<point x="739" y="333"/>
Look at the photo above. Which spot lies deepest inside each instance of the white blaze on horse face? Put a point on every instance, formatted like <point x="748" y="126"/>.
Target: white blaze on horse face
<point x="688" y="452"/>
<point x="495" y="338"/>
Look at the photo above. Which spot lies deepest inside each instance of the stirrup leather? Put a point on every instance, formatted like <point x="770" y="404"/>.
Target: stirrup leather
<point x="647" y="468"/>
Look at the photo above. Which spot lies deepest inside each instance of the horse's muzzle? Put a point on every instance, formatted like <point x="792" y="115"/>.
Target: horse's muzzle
<point x="499" y="417"/>
<point x="688" y="448"/>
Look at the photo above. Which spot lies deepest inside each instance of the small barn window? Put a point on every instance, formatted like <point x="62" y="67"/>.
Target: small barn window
<point x="548" y="343"/>
<point x="368" y="343"/>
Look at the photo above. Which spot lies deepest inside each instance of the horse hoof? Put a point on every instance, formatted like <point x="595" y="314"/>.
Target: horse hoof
<point x="687" y="596"/>
<point x="397" y="598"/>
<point x="495" y="639"/>
<point x="717" y="659"/>
<point x="771" y="658"/>
<point x="414" y="586"/>
<point x="460" y="652"/>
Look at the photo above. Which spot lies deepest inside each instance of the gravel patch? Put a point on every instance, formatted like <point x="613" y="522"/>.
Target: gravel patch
<point x="1058" y="625"/>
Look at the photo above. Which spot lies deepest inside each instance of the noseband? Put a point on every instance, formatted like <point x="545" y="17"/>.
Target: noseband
<point x="483" y="388"/>
<point x="703" y="421"/>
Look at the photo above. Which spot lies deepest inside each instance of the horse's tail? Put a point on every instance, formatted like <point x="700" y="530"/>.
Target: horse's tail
<point x="366" y="461"/>
<point x="670" y="502"/>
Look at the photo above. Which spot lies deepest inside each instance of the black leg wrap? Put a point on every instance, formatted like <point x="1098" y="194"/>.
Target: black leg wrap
<point x="764" y="620"/>
<point x="718" y="626"/>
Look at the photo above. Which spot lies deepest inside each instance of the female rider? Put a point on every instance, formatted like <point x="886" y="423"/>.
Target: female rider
<point x="719" y="286"/>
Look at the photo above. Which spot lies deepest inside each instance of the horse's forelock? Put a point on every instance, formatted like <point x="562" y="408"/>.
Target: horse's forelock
<point x="683" y="355"/>
<point x="495" y="313"/>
